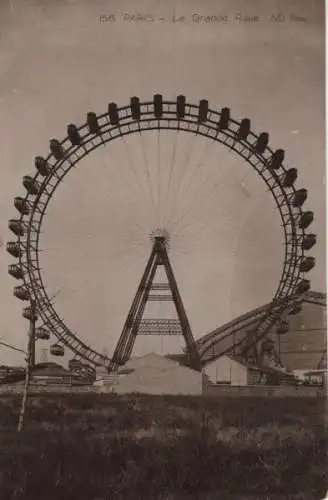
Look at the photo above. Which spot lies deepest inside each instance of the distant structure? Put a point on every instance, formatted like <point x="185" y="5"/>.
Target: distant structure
<point x="304" y="346"/>
<point x="299" y="340"/>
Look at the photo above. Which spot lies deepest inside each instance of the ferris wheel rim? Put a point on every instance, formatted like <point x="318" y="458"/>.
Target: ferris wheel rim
<point x="34" y="283"/>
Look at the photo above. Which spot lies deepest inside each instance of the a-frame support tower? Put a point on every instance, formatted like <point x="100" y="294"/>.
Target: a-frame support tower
<point x="134" y="323"/>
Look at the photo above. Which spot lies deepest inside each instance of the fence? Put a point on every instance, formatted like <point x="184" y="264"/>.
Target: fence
<point x="209" y="390"/>
<point x="264" y="391"/>
<point x="18" y="389"/>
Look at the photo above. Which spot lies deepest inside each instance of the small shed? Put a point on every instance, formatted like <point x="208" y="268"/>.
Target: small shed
<point x="231" y="371"/>
<point x="226" y="370"/>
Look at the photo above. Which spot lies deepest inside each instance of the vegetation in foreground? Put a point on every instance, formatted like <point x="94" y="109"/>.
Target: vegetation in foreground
<point x="97" y="447"/>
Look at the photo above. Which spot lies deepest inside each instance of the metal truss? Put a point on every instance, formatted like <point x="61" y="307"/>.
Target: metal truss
<point x="159" y="327"/>
<point x="134" y="323"/>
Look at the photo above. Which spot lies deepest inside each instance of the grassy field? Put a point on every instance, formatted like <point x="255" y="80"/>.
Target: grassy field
<point x="101" y="447"/>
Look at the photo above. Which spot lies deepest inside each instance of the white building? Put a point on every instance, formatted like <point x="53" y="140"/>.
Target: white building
<point x="155" y="374"/>
<point x="227" y="370"/>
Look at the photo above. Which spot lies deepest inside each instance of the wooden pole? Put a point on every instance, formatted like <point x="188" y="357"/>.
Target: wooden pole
<point x="29" y="364"/>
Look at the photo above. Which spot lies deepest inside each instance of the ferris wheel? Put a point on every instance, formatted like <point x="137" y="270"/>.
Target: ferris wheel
<point x="139" y="119"/>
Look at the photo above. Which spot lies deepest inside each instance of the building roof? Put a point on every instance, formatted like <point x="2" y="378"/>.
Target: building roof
<point x="263" y="368"/>
<point x="178" y="358"/>
<point x="50" y="370"/>
<point x="274" y="371"/>
<point x="126" y="371"/>
<point x="247" y="321"/>
<point x="319" y="298"/>
<point x="321" y="371"/>
<point x="150" y="359"/>
<point x="12" y="368"/>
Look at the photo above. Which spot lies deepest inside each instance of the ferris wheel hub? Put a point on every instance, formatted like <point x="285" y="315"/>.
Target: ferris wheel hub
<point x="160" y="234"/>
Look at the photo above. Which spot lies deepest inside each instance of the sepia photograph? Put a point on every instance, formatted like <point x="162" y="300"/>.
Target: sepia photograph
<point x="163" y="250"/>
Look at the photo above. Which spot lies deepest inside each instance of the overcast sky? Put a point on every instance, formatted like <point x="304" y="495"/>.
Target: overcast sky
<point x="58" y="61"/>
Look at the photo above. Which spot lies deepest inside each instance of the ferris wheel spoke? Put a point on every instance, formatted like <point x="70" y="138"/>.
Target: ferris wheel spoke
<point x="148" y="175"/>
<point x="200" y="188"/>
<point x="192" y="171"/>
<point x="192" y="206"/>
<point x="188" y="233"/>
<point x="129" y="244"/>
<point x="207" y="151"/>
<point x="204" y="192"/>
<point x="183" y="171"/>
<point x="158" y="141"/>
<point x="126" y="181"/>
<point x="172" y="163"/>
<point x="120" y="169"/>
<point x="134" y="170"/>
<point x="190" y="227"/>
<point x="207" y="185"/>
<point x="181" y="245"/>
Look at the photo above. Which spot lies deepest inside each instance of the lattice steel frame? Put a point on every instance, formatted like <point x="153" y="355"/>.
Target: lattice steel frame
<point x="133" y="324"/>
<point x="138" y="117"/>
